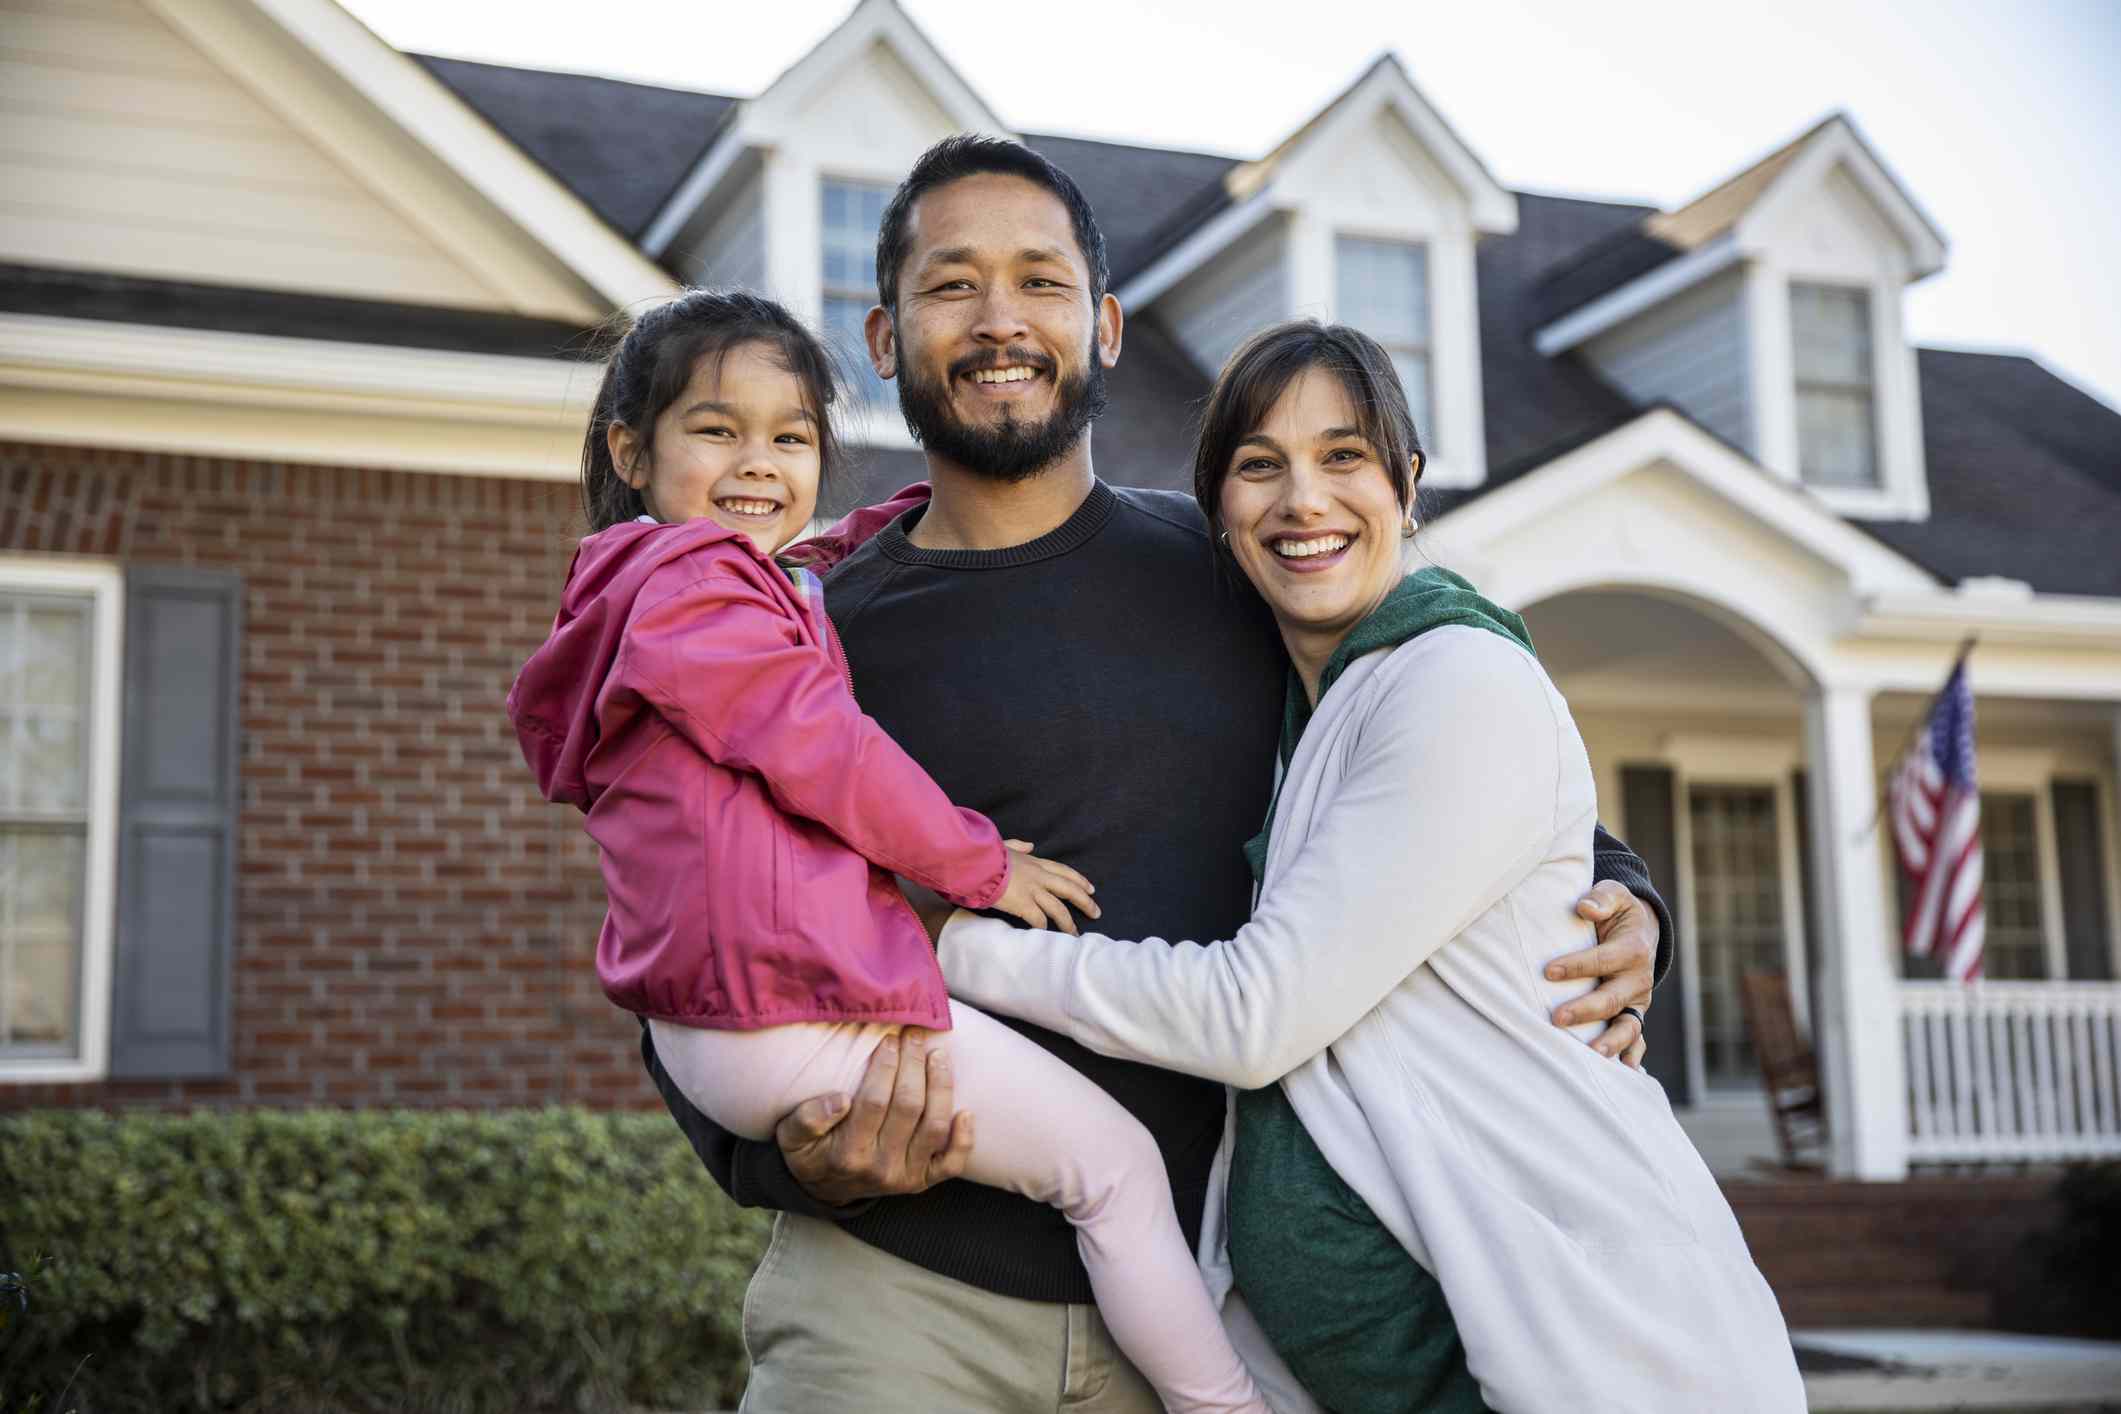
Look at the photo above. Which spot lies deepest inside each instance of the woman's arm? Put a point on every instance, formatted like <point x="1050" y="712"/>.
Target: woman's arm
<point x="1448" y="803"/>
<point x="729" y="668"/>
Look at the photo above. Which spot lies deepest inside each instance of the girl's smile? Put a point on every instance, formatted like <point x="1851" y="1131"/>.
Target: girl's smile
<point x="738" y="445"/>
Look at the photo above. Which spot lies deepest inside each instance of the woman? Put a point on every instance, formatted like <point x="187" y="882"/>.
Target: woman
<point x="1429" y="838"/>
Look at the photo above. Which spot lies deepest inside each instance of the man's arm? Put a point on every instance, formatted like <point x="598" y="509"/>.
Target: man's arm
<point x="834" y="1154"/>
<point x="1612" y="859"/>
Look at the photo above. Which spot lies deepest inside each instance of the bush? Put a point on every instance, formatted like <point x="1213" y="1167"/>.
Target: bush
<point x="341" y="1261"/>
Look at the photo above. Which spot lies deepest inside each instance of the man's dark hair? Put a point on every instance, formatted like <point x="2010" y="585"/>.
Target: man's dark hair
<point x="971" y="155"/>
<point x="1262" y="369"/>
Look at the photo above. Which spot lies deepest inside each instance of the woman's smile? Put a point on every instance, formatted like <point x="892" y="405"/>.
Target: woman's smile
<point x="1313" y="518"/>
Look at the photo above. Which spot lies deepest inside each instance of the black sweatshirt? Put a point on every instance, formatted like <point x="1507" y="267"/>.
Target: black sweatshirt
<point x="1113" y="694"/>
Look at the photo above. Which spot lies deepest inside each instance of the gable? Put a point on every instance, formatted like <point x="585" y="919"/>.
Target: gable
<point x="1379" y="179"/>
<point x="1661" y="502"/>
<point x="875" y="115"/>
<point x="1832" y="230"/>
<point x="144" y="146"/>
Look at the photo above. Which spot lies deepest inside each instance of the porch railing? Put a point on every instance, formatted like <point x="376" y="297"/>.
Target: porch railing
<point x="2012" y="1071"/>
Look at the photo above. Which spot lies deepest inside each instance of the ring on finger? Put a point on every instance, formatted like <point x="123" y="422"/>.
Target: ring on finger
<point x="1635" y="1012"/>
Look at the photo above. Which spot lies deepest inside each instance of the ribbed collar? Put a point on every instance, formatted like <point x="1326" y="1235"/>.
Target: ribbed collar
<point x="1070" y="534"/>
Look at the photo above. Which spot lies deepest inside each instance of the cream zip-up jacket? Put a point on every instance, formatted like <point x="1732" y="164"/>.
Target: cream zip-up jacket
<point x="1432" y="837"/>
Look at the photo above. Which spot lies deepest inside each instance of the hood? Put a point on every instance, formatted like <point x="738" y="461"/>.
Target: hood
<point x="1429" y="598"/>
<point x="554" y="701"/>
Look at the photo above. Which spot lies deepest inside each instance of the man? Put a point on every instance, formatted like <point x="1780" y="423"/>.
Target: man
<point x="1072" y="661"/>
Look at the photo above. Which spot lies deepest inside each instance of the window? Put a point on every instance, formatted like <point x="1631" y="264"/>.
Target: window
<point x="53" y="816"/>
<point x="1837" y="438"/>
<point x="852" y="213"/>
<point x="1382" y="287"/>
<point x="2015" y="945"/>
<point x="1737" y="858"/>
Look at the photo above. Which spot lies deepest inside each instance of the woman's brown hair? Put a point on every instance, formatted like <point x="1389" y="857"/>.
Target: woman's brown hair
<point x="1261" y="371"/>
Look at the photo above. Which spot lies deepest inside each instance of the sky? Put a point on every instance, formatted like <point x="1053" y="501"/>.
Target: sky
<point x="2003" y="118"/>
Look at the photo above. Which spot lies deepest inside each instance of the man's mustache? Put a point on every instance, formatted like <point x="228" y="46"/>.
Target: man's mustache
<point x="1012" y="357"/>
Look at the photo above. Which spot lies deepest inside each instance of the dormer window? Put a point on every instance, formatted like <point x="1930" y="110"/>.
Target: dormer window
<point x="1837" y="416"/>
<point x="1383" y="287"/>
<point x="852" y="213"/>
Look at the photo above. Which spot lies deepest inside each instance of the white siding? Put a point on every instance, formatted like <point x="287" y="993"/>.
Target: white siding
<point x="123" y="148"/>
<point x="1241" y="291"/>
<point x="1691" y="352"/>
<point x="729" y="246"/>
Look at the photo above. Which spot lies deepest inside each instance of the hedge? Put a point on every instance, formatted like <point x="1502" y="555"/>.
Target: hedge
<point x="346" y="1262"/>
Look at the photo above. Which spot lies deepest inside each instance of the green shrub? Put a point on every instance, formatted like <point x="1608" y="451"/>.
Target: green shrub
<point x="358" y="1261"/>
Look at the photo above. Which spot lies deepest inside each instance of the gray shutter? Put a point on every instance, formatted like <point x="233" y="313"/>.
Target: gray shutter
<point x="1647" y="794"/>
<point x="2087" y="940"/>
<point x="172" y="993"/>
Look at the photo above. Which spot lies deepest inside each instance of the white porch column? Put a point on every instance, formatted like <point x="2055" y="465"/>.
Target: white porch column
<point x="1861" y="1065"/>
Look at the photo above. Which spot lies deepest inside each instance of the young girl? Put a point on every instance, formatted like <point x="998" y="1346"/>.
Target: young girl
<point x="693" y="701"/>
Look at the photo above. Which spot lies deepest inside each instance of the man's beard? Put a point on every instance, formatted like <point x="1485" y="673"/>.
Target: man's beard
<point x="1009" y="449"/>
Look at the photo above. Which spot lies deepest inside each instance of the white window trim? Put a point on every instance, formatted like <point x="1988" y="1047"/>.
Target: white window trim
<point x="1902" y="492"/>
<point x="1713" y="760"/>
<point x="104" y="583"/>
<point x="877" y="424"/>
<point x="2032" y="771"/>
<point x="1428" y="280"/>
<point x="1455" y="393"/>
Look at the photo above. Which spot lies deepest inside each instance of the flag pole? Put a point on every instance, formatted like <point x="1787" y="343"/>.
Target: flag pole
<point x="1885" y="785"/>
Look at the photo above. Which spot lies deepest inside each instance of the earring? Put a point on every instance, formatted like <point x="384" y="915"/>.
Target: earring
<point x="1225" y="538"/>
<point x="1408" y="527"/>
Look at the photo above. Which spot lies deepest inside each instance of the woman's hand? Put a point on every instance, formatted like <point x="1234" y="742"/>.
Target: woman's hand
<point x="1625" y="964"/>
<point x="1040" y="891"/>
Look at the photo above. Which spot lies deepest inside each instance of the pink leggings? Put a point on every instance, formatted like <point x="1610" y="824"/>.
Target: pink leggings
<point x="1045" y="1131"/>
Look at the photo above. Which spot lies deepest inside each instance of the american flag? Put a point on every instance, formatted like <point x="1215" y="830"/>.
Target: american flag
<point x="1936" y="813"/>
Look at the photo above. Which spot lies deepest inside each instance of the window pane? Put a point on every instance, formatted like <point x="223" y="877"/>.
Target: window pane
<point x="2016" y="942"/>
<point x="843" y="326"/>
<point x="1837" y="444"/>
<point x="1738" y="905"/>
<point x="44" y="643"/>
<point x="1383" y="289"/>
<point x="1831" y="330"/>
<point x="1413" y="371"/>
<point x="41" y="881"/>
<point x="851" y="213"/>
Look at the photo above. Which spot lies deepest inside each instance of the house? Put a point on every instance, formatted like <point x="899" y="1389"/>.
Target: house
<point x="294" y="353"/>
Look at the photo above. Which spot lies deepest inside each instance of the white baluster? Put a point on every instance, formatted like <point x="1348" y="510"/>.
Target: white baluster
<point x="1918" y="1080"/>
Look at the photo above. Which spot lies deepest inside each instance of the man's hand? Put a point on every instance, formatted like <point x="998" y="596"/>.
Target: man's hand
<point x="1625" y="964"/>
<point x="899" y="1134"/>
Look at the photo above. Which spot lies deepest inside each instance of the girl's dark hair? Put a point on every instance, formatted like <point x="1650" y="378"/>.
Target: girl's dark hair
<point x="1261" y="371"/>
<point x="652" y="358"/>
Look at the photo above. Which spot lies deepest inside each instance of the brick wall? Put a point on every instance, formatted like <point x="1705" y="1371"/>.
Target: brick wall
<point x="415" y="926"/>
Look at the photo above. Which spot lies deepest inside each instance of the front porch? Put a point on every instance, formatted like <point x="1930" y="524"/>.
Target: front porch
<point x="1744" y="667"/>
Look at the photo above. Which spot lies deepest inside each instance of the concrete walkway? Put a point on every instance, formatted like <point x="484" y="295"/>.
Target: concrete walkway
<point x="1865" y="1370"/>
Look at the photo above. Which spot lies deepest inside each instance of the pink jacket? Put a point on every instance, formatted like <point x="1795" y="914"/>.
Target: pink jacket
<point x="695" y="704"/>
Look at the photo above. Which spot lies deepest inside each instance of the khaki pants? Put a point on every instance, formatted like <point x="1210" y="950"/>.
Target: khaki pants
<point x="833" y="1324"/>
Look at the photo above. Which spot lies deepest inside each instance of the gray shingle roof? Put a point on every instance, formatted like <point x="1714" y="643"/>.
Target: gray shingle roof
<point x="2024" y="470"/>
<point x="2024" y="477"/>
<point x="1145" y="197"/>
<point x="621" y="147"/>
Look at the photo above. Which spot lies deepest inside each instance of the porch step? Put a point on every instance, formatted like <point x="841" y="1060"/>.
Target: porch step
<point x="1929" y="1252"/>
